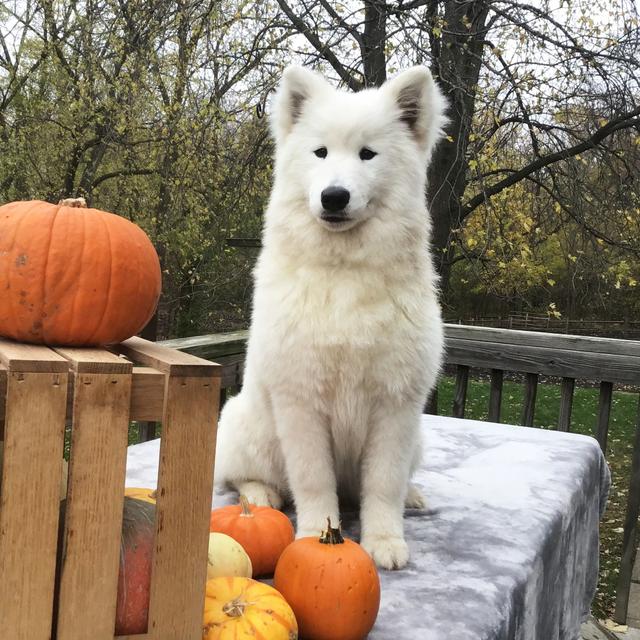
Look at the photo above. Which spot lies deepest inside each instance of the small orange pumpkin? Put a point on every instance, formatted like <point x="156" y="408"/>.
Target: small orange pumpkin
<point x="332" y="586"/>
<point x="74" y="276"/>
<point x="262" y="531"/>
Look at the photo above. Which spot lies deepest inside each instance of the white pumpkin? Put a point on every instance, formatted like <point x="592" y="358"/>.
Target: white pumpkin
<point x="227" y="558"/>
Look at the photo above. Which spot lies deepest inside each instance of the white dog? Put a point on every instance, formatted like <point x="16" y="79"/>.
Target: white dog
<point x="346" y="335"/>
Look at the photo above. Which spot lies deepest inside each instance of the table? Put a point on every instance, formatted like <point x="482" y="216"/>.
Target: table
<point x="508" y="547"/>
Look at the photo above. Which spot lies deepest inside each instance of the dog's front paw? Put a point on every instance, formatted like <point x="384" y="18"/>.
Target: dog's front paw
<point x="388" y="552"/>
<point x="260" y="494"/>
<point x="415" y="499"/>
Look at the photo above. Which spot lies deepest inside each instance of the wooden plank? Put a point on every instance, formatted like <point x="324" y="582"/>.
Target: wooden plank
<point x="554" y="362"/>
<point x="460" y="396"/>
<point x="431" y="406"/>
<point x="185" y="487"/>
<point x="221" y="344"/>
<point x="147" y="394"/>
<point x="3" y="397"/>
<point x="588" y="344"/>
<point x="604" y="411"/>
<point x="89" y="578"/>
<point x="16" y="357"/>
<point x="94" y="360"/>
<point x="169" y="361"/>
<point x="223" y="397"/>
<point x="232" y="370"/>
<point x="29" y="501"/>
<point x="92" y="536"/>
<point x="529" y="402"/>
<point x="212" y="346"/>
<point x="629" y="540"/>
<point x="147" y="431"/>
<point x="566" y="402"/>
<point x="495" y="395"/>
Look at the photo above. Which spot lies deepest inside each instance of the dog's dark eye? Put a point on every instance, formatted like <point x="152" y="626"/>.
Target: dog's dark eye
<point x="367" y="154"/>
<point x="321" y="152"/>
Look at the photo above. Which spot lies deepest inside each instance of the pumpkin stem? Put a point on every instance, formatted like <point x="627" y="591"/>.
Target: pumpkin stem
<point x="331" y="535"/>
<point x="78" y="203"/>
<point x="246" y="510"/>
<point x="235" y="608"/>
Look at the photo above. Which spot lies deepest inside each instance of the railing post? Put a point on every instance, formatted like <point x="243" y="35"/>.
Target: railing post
<point x="460" y="398"/>
<point x="604" y="411"/>
<point x="529" y="404"/>
<point x="629" y="544"/>
<point x="566" y="403"/>
<point x="495" y="395"/>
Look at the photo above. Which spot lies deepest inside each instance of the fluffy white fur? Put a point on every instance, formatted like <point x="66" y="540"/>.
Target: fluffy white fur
<point x="346" y="334"/>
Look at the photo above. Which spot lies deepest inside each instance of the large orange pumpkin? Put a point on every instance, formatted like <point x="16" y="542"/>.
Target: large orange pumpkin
<point x="332" y="586"/>
<point x="74" y="276"/>
<point x="262" y="531"/>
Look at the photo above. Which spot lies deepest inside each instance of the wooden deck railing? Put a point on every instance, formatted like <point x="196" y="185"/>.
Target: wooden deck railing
<point x="603" y="360"/>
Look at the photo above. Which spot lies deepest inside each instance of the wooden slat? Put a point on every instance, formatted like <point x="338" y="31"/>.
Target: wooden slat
<point x="566" y="403"/>
<point x="222" y="344"/>
<point x="232" y="370"/>
<point x="29" y="500"/>
<point x="630" y="537"/>
<point x="431" y="406"/>
<point x="544" y="361"/>
<point x="94" y="360"/>
<point x="223" y="397"/>
<point x="147" y="431"/>
<point x="460" y="395"/>
<point x="89" y="578"/>
<point x="588" y="344"/>
<point x="183" y="505"/>
<point x="212" y="346"/>
<point x="147" y="394"/>
<point x="604" y="411"/>
<point x="167" y="360"/>
<point x="529" y="402"/>
<point x="28" y="357"/>
<point x="495" y="395"/>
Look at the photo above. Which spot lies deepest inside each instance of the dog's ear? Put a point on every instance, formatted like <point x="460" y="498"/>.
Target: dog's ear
<point x="420" y="103"/>
<point x="296" y="87"/>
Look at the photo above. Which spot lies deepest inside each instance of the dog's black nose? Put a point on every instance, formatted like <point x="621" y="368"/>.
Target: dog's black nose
<point x="334" y="198"/>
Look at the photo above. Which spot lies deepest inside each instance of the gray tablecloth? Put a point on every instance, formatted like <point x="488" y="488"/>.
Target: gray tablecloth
<point x="508" y="548"/>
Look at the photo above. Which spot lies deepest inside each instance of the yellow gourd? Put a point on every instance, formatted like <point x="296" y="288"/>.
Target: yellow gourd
<point x="137" y="493"/>
<point x="244" y="608"/>
<point x="227" y="558"/>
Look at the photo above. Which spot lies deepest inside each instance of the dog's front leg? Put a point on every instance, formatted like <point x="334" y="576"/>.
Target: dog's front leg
<point x="306" y="445"/>
<point x="385" y="478"/>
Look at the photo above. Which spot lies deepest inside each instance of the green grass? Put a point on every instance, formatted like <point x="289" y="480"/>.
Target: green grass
<point x="583" y="419"/>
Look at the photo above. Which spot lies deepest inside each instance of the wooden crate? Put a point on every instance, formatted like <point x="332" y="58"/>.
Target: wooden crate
<point x="99" y="392"/>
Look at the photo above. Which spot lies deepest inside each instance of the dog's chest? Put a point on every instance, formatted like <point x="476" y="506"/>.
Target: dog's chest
<point x="339" y="332"/>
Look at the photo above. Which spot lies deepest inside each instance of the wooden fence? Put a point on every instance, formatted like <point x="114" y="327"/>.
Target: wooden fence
<point x="627" y="329"/>
<point x="568" y="357"/>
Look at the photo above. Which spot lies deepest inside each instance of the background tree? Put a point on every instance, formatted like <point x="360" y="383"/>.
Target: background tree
<point x="515" y="74"/>
<point x="155" y="110"/>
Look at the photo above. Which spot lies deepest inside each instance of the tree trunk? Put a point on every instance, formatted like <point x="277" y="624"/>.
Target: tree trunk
<point x="457" y="69"/>
<point x="374" y="40"/>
